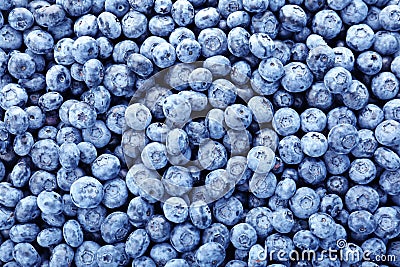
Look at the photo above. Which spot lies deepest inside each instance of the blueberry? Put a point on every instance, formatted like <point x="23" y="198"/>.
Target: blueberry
<point x="314" y="144"/>
<point x="49" y="237"/>
<point x="158" y="228"/>
<point x="304" y="203"/>
<point x="290" y="150"/>
<point x="362" y="222"/>
<point x="86" y="192"/>
<point x="305" y="240"/>
<point x="297" y="78"/>
<point x="336" y="163"/>
<point x="105" y="47"/>
<point x="139" y="64"/>
<point x="39" y="42"/>
<point x="162" y="253"/>
<point x="25" y="254"/>
<point x="286" y="121"/>
<point x="162" y="6"/>
<point x="178" y="35"/>
<point x="387" y="159"/>
<point x="261" y="86"/>
<point x="282" y="220"/>
<point x="213" y="42"/>
<point x="109" y="25"/>
<point x="293" y="18"/>
<point x="21" y="65"/>
<point x="185" y="237"/>
<point x="143" y="261"/>
<point x="12" y="39"/>
<point x="85" y="48"/>
<point x="278" y="243"/>
<point x="312" y="170"/>
<point x="210" y="254"/>
<point x="182" y="12"/>
<point x="385" y="86"/>
<point x="27" y="232"/>
<point x="42" y="180"/>
<point x="85" y="254"/>
<point x="360" y="37"/>
<point x="327" y="23"/>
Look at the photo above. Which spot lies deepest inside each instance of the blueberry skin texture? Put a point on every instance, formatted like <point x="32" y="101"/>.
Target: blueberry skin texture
<point x="87" y="248"/>
<point x="63" y="52"/>
<point x="21" y="65"/>
<point x="182" y="12"/>
<point x="185" y="237"/>
<point x="360" y="37"/>
<point x="12" y="39"/>
<point x="297" y="78"/>
<point x="25" y="254"/>
<point x="286" y="121"/>
<point x="385" y="133"/>
<point x="39" y="42"/>
<point x="327" y="23"/>
<point x="137" y="243"/>
<point x="210" y="254"/>
<point x="293" y="18"/>
<point x="362" y="197"/>
<point x="385" y="86"/>
<point x="387" y="158"/>
<point x="140" y="64"/>
<point x="213" y="42"/>
<point x="115" y="227"/>
<point x="388" y="17"/>
<point x="45" y="154"/>
<point x="207" y="18"/>
<point x="304" y="203"/>
<point x="86" y="192"/>
<point x="200" y="214"/>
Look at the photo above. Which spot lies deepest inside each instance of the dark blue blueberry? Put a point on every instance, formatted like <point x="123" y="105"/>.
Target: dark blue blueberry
<point x="360" y="37"/>
<point x="185" y="237"/>
<point x="213" y="42"/>
<point x="210" y="254"/>
<point x="387" y="158"/>
<point x="42" y="180"/>
<point x="385" y="86"/>
<point x="39" y="42"/>
<point x="362" y="222"/>
<point x="27" y="232"/>
<point x="182" y="12"/>
<point x="115" y="193"/>
<point x="162" y="253"/>
<point x="228" y="210"/>
<point x="11" y="39"/>
<point x="107" y="256"/>
<point x="86" y="192"/>
<point x="86" y="26"/>
<point x="304" y="203"/>
<point x="85" y="254"/>
<point x="49" y="237"/>
<point x="26" y="255"/>
<point x="72" y="233"/>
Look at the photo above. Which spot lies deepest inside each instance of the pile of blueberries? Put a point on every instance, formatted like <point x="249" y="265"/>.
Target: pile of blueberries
<point x="199" y="133"/>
